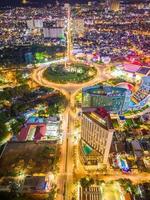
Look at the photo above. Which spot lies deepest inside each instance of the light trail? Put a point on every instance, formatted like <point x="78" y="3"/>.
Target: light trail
<point x="47" y="64"/>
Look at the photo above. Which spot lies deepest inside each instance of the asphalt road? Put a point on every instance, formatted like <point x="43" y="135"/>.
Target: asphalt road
<point x="65" y="175"/>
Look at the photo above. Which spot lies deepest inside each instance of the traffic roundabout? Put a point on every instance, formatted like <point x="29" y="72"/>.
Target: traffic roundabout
<point x="74" y="72"/>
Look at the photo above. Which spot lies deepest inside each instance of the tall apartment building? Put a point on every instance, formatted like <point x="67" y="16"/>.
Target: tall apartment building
<point x="96" y="136"/>
<point x="113" y="5"/>
<point x="78" y="26"/>
<point x="30" y="24"/>
<point x="34" y="23"/>
<point x="38" y="23"/>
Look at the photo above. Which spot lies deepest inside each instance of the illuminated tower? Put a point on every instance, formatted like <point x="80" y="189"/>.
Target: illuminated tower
<point x="113" y="5"/>
<point x="24" y="1"/>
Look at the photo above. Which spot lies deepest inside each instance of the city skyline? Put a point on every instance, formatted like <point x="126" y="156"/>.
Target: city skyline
<point x="35" y="2"/>
<point x="75" y="101"/>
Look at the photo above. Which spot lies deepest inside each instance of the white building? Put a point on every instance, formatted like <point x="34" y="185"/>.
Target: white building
<point x="53" y="32"/>
<point x="96" y="136"/>
<point x="78" y="26"/>
<point x="113" y="5"/>
<point x="38" y="23"/>
<point x="60" y="23"/>
<point x="53" y="129"/>
<point x="30" y="24"/>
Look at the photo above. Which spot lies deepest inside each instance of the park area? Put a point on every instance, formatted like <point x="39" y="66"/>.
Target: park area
<point x="21" y="158"/>
<point x="72" y="73"/>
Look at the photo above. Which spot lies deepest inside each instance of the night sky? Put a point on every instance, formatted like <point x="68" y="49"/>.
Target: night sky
<point x="18" y="2"/>
<point x="38" y="2"/>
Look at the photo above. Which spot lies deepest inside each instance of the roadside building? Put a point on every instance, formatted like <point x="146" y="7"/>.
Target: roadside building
<point x="78" y="26"/>
<point x="38" y="23"/>
<point x="91" y="193"/>
<point x="113" y="99"/>
<point x="113" y="5"/>
<point x="40" y="129"/>
<point x="54" y="32"/>
<point x="96" y="136"/>
<point x="30" y="24"/>
<point x="137" y="149"/>
<point x="36" y="184"/>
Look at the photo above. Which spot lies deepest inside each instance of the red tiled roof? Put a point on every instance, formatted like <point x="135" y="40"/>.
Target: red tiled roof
<point x="40" y="132"/>
<point x="23" y="133"/>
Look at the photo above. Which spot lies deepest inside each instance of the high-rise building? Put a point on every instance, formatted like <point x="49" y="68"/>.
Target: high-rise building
<point x="96" y="136"/>
<point x="60" y="23"/>
<point x="38" y="23"/>
<point x="34" y="23"/>
<point x="78" y="26"/>
<point x="113" y="5"/>
<point x="30" y="24"/>
<point x="53" y="32"/>
<point x="66" y="5"/>
<point x="28" y="57"/>
<point x="113" y="99"/>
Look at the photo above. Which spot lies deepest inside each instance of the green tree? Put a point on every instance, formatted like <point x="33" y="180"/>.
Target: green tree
<point x="86" y="182"/>
<point x="52" y="193"/>
<point x="126" y="184"/>
<point x="16" y="126"/>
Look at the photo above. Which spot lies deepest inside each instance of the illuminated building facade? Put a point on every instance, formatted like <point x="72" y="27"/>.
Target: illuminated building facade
<point x="34" y="23"/>
<point x="30" y="24"/>
<point x="38" y="23"/>
<point x="96" y="136"/>
<point x="144" y="90"/>
<point x="113" y="5"/>
<point x="29" y="57"/>
<point x="113" y="99"/>
<point x="78" y="26"/>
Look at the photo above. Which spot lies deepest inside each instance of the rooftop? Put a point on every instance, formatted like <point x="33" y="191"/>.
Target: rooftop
<point x="32" y="132"/>
<point x="105" y="90"/>
<point x="100" y="116"/>
<point x="35" y="184"/>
